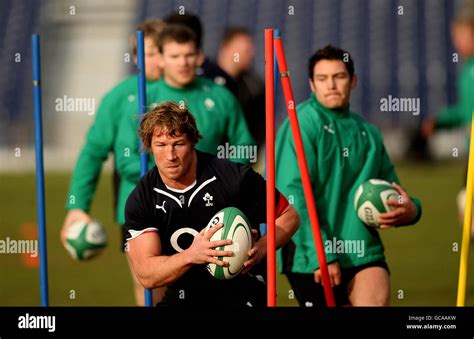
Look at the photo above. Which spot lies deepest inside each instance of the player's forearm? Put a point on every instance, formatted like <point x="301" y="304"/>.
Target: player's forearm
<point x="285" y="226"/>
<point x="163" y="270"/>
<point x="416" y="215"/>
<point x="84" y="180"/>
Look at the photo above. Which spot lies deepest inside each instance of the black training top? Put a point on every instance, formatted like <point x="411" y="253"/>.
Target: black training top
<point x="178" y="215"/>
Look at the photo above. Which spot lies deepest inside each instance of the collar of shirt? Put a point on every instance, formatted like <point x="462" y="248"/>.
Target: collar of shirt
<point x="194" y="84"/>
<point x="336" y="113"/>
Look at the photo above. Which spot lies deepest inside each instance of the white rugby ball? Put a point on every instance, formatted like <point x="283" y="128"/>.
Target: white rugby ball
<point x="371" y="200"/>
<point x="85" y="240"/>
<point x="236" y="228"/>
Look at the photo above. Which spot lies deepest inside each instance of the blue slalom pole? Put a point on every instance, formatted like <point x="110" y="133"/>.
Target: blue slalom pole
<point x="276" y="34"/>
<point x="276" y="74"/>
<point x="142" y="108"/>
<point x="40" y="200"/>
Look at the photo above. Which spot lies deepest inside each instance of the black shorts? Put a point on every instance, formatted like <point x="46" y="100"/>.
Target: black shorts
<point x="243" y="291"/>
<point x="123" y="238"/>
<point x="309" y="293"/>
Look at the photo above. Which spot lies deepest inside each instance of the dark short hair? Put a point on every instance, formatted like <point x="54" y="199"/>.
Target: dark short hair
<point x="176" y="33"/>
<point x="231" y="32"/>
<point x="331" y="53"/>
<point x="189" y="20"/>
<point x="172" y="119"/>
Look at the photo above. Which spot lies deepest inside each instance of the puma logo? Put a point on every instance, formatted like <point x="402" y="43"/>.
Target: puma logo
<point x="162" y="207"/>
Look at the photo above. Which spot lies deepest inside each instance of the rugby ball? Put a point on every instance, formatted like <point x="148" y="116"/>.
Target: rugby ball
<point x="371" y="200"/>
<point x="85" y="240"/>
<point x="236" y="228"/>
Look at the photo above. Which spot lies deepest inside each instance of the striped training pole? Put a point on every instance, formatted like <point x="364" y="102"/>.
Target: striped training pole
<point x="466" y="233"/>
<point x="141" y="110"/>
<point x="40" y="196"/>
<point x="300" y="155"/>
<point x="270" y="167"/>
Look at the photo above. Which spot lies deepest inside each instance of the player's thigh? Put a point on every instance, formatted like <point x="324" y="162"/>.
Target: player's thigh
<point x="370" y="287"/>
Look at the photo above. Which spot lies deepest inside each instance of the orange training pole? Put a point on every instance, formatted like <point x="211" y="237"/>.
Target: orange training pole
<point x="270" y="164"/>
<point x="308" y="191"/>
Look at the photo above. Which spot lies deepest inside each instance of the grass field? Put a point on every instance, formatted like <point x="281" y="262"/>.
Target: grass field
<point x="424" y="267"/>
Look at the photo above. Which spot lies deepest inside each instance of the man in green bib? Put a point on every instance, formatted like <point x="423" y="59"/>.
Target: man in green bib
<point x="343" y="151"/>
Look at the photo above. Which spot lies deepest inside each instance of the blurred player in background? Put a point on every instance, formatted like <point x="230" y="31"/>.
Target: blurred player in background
<point x="460" y="114"/>
<point x="206" y="67"/>
<point x="235" y="56"/>
<point x="343" y="151"/>
<point x="166" y="215"/>
<point x="233" y="70"/>
<point x="101" y="140"/>
<point x="218" y="114"/>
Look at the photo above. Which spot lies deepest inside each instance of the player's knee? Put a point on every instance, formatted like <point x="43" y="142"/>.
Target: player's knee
<point x="382" y="299"/>
<point x="136" y="282"/>
<point x="139" y="295"/>
<point x="381" y="296"/>
<point x="370" y="287"/>
<point x="374" y="299"/>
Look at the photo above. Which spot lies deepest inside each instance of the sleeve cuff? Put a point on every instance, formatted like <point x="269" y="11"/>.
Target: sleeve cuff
<point x="418" y="212"/>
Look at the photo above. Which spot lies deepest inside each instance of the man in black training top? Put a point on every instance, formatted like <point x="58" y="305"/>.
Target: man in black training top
<point x="167" y="212"/>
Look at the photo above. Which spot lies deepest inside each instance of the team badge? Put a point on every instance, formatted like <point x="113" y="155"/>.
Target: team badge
<point x="208" y="198"/>
<point x="209" y="103"/>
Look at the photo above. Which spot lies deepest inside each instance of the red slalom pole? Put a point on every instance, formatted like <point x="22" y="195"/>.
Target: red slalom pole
<point x="308" y="190"/>
<point x="270" y="163"/>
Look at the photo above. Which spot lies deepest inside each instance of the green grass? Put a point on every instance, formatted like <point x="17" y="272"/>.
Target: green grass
<point x="421" y="258"/>
<point x="104" y="281"/>
<point x="422" y="262"/>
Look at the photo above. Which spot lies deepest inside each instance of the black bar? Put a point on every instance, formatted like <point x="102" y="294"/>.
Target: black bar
<point x="288" y="322"/>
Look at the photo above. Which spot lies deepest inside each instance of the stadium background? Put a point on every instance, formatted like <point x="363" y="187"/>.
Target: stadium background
<point x="84" y="42"/>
